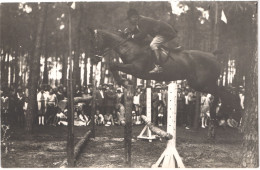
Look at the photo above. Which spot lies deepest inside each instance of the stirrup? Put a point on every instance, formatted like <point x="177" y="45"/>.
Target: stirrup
<point x="157" y="69"/>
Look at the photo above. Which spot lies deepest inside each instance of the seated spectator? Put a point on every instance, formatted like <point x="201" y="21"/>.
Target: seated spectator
<point x="160" y="113"/>
<point x="109" y="120"/>
<point x="120" y="111"/>
<point x="99" y="118"/>
<point x="77" y="92"/>
<point x="60" y="93"/>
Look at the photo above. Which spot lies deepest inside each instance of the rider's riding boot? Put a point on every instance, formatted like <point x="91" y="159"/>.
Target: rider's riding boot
<point x="157" y="68"/>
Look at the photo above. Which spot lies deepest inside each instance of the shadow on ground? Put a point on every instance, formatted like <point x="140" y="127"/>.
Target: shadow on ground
<point x="46" y="147"/>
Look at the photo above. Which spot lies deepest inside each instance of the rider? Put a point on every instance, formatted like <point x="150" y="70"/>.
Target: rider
<point x="159" y="30"/>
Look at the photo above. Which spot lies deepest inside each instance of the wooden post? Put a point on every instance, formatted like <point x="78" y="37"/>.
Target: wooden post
<point x="170" y="156"/>
<point x="70" y="142"/>
<point x="146" y="129"/>
<point x="128" y="96"/>
<point x="93" y="108"/>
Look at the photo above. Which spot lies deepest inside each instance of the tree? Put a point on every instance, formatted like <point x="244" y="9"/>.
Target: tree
<point x="250" y="147"/>
<point x="35" y="68"/>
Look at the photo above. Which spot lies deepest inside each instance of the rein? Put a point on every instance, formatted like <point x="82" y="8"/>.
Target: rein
<point x="112" y="48"/>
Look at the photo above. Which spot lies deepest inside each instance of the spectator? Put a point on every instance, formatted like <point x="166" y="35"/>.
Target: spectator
<point x="100" y="99"/>
<point x="4" y="108"/>
<point x="99" y="118"/>
<point x="120" y="111"/>
<point x="164" y="93"/>
<point x="136" y="102"/>
<point x="52" y="103"/>
<point x="12" y="117"/>
<point x="65" y="92"/>
<point x="191" y="99"/>
<point x="60" y="93"/>
<point x="87" y="107"/>
<point x="25" y="106"/>
<point x="90" y="89"/>
<point x="242" y="97"/>
<point x="155" y="103"/>
<point x="143" y="101"/>
<point x="77" y="92"/>
<point x="161" y="111"/>
<point x="110" y="100"/>
<point x="20" y="104"/>
<point x="180" y="106"/>
<point x="119" y="96"/>
<point x="205" y="108"/>
<point x="42" y="106"/>
<point x="109" y="120"/>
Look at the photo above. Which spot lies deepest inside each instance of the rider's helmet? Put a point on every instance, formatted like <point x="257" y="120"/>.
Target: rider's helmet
<point x="132" y="12"/>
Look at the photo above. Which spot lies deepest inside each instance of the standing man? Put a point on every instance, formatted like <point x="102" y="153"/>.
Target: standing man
<point x="100" y="100"/>
<point x="160" y="31"/>
<point x="42" y="106"/>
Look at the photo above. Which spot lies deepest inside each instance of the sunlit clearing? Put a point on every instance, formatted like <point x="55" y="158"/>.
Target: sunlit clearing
<point x="205" y="13"/>
<point x="20" y="6"/>
<point x="27" y="9"/>
<point x="62" y="27"/>
<point x="73" y="6"/>
<point x="178" y="8"/>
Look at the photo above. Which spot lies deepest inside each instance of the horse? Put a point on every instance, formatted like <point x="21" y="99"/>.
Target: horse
<point x="200" y="69"/>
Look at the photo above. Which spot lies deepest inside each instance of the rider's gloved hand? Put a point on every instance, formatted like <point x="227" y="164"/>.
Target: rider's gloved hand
<point x="130" y="36"/>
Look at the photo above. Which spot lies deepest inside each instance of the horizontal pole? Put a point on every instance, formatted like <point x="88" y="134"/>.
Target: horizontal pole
<point x="156" y="130"/>
<point x="81" y="143"/>
<point x="77" y="149"/>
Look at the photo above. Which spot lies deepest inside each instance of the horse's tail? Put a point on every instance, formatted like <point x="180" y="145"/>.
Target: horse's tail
<point x="230" y="102"/>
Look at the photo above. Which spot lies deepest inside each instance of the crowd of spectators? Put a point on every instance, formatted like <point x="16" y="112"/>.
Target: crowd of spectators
<point x="110" y="110"/>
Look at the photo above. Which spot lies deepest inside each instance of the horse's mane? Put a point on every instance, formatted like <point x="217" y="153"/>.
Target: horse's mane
<point x="115" y="35"/>
<point x="111" y="34"/>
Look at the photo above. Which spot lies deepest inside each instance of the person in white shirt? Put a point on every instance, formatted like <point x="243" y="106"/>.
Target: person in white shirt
<point x="136" y="102"/>
<point x="42" y="106"/>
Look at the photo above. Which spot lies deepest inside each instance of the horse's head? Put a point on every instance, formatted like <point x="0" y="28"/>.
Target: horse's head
<point x="97" y="39"/>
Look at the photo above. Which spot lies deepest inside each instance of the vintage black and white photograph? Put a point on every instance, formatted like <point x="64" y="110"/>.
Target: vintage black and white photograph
<point x="129" y="84"/>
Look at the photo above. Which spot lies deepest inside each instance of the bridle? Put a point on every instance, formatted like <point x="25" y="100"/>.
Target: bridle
<point x="101" y="53"/>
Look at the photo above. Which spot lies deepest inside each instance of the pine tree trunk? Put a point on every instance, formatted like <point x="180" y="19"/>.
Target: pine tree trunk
<point x="17" y="68"/>
<point x="12" y="72"/>
<point x="64" y="69"/>
<point x="76" y="68"/>
<point x="35" y="70"/>
<point x="45" y="79"/>
<point x="85" y="70"/>
<point x="250" y="147"/>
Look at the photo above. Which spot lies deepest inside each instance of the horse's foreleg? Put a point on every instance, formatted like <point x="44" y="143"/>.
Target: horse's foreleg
<point x="126" y="68"/>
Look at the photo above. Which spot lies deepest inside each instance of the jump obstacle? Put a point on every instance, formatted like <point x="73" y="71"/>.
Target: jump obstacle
<point x="146" y="133"/>
<point x="170" y="158"/>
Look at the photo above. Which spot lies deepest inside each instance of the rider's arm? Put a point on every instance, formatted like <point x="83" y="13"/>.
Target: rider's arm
<point x="139" y="35"/>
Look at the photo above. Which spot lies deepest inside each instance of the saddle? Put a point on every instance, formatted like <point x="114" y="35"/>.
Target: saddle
<point x="166" y="50"/>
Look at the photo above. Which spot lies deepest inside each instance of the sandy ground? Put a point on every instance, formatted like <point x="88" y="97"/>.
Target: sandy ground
<point x="46" y="147"/>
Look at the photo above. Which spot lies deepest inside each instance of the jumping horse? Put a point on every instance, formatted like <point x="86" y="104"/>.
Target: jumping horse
<point x="200" y="69"/>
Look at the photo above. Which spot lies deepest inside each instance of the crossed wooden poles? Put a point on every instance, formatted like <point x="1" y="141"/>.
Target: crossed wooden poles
<point x="170" y="158"/>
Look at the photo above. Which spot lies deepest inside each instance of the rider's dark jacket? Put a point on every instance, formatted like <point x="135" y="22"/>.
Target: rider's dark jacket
<point x="149" y="26"/>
